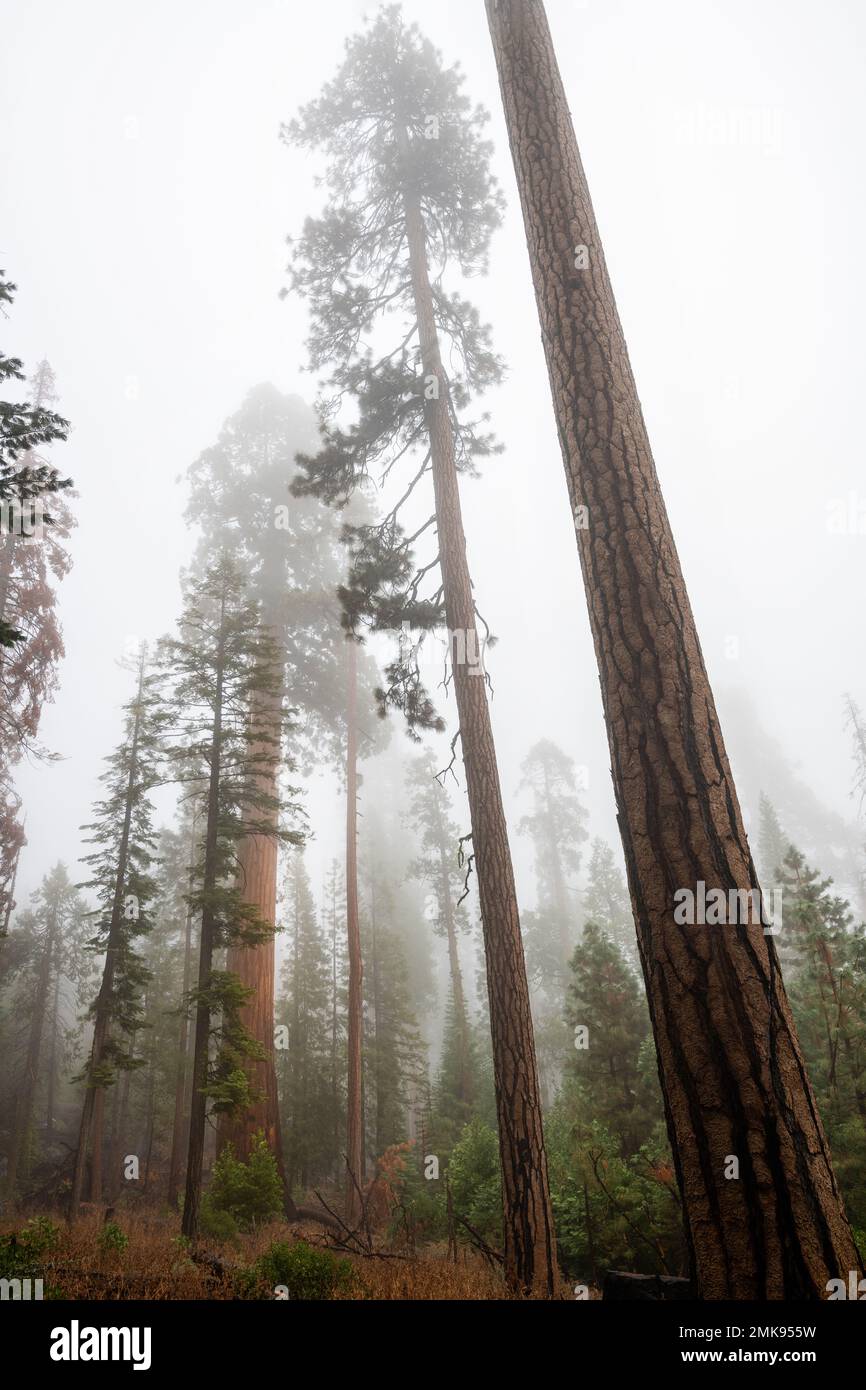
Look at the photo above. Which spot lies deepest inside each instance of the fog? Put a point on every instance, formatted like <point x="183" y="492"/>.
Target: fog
<point x="147" y="200"/>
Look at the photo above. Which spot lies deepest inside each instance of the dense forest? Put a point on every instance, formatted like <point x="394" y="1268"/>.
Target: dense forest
<point x="330" y="1004"/>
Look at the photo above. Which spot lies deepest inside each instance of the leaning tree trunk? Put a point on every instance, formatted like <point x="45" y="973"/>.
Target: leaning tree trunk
<point x="530" y="1244"/>
<point x="354" y="1105"/>
<point x="731" y="1069"/>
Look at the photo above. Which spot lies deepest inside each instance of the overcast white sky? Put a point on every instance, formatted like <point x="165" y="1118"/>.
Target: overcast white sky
<point x="146" y="198"/>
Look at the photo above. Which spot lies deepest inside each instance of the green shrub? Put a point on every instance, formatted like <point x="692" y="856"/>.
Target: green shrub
<point x="23" y="1252"/>
<point x="247" y="1193"/>
<point x="111" y="1239"/>
<point x="474" y="1175"/>
<point x="217" y="1224"/>
<point x="306" y="1273"/>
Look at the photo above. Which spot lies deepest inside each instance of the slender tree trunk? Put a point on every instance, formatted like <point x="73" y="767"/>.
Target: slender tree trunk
<point x="181" y="1081"/>
<point x="119" y="1117"/>
<point x="52" y="1058"/>
<point x="335" y="1094"/>
<point x="97" y="1134"/>
<point x="590" y="1238"/>
<point x="90" y="1112"/>
<point x="731" y="1069"/>
<point x="296" y="1050"/>
<point x="114" y="1173"/>
<point x="354" y="1114"/>
<point x="378" y="1042"/>
<point x="530" y="1244"/>
<point x="151" y="1123"/>
<point x="201" y="1049"/>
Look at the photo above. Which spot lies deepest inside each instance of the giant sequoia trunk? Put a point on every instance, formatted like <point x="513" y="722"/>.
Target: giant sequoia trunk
<point x="530" y="1246"/>
<point x="254" y="966"/>
<point x="731" y="1069"/>
<point x="355" y="1021"/>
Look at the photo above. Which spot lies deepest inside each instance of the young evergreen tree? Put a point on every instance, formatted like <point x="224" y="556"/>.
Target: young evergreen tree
<point x="394" y="1053"/>
<point x="335" y="917"/>
<point x="772" y="844"/>
<point x="122" y="833"/>
<point x="608" y="1018"/>
<point x="828" y="989"/>
<point x="305" y="1064"/>
<point x="437" y="865"/>
<point x="556" y="827"/>
<point x="606" y="900"/>
<point x="411" y="199"/>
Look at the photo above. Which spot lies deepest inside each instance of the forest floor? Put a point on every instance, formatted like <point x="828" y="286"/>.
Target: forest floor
<point x="155" y="1264"/>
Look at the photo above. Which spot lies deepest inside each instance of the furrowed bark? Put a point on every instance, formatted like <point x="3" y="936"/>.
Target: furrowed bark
<point x="255" y="966"/>
<point x="731" y="1068"/>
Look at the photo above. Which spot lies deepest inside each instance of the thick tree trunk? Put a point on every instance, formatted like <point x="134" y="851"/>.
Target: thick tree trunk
<point x="255" y="965"/>
<point x="530" y="1244"/>
<point x="355" y="1021"/>
<point x="731" y="1069"/>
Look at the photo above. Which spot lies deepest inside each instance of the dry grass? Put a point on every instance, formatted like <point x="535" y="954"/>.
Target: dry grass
<point x="155" y="1266"/>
